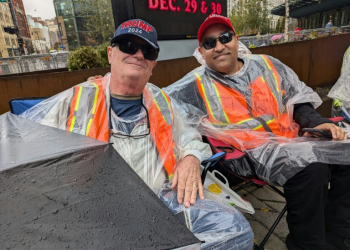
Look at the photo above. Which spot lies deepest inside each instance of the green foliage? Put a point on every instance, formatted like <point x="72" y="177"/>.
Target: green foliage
<point x="84" y="57"/>
<point x="280" y="25"/>
<point x="102" y="51"/>
<point x="250" y="17"/>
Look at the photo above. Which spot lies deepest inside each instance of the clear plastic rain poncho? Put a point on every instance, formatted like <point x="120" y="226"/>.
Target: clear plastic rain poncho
<point x="240" y="108"/>
<point x="340" y="92"/>
<point x="141" y="149"/>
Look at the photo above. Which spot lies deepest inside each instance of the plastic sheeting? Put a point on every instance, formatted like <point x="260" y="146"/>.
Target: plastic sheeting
<point x="340" y="92"/>
<point x="219" y="226"/>
<point x="61" y="190"/>
<point x="131" y="136"/>
<point x="267" y="90"/>
<point x="141" y="154"/>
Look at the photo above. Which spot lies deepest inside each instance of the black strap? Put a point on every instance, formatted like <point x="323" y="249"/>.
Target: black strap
<point x="263" y="123"/>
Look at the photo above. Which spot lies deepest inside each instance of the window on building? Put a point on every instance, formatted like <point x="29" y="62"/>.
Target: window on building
<point x="347" y="16"/>
<point x="4" y="7"/>
<point x="341" y="17"/>
<point x="10" y="52"/>
<point x="324" y="21"/>
<point x="7" y="41"/>
<point x="13" y="42"/>
<point x="1" y="16"/>
<point x="336" y="19"/>
<point x="7" y="19"/>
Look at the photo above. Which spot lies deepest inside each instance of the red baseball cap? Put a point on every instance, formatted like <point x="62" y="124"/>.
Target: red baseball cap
<point x="211" y="20"/>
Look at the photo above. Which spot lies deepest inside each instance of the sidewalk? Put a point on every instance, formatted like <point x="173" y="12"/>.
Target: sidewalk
<point x="267" y="204"/>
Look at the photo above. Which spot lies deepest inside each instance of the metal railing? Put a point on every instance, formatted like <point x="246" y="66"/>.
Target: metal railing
<point x="22" y="64"/>
<point x="293" y="36"/>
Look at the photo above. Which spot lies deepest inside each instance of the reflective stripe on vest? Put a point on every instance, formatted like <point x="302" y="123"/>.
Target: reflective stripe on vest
<point x="161" y="120"/>
<point x="264" y="105"/>
<point x="228" y="103"/>
<point x="87" y="110"/>
<point x="88" y="115"/>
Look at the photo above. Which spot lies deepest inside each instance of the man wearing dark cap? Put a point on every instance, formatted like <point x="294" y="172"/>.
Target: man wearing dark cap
<point x="258" y="105"/>
<point x="125" y="109"/>
<point x="138" y="118"/>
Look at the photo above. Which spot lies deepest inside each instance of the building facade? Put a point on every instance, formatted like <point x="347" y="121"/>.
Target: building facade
<point x="8" y="42"/>
<point x="274" y="18"/>
<point x="40" y="35"/>
<point x="85" y="24"/>
<point x="22" y="24"/>
<point x="54" y="33"/>
<point x="316" y="14"/>
<point x="62" y="34"/>
<point x="72" y="22"/>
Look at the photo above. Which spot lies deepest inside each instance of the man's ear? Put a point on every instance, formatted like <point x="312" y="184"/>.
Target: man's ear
<point x="109" y="53"/>
<point x="153" y="65"/>
<point x="200" y="51"/>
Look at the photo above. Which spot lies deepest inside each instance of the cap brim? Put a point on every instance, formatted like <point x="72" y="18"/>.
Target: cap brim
<point x="115" y="39"/>
<point x="213" y="20"/>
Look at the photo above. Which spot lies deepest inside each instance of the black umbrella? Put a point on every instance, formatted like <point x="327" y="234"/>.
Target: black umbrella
<point x="60" y="190"/>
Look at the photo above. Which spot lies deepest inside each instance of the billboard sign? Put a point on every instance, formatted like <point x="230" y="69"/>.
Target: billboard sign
<point x="173" y="19"/>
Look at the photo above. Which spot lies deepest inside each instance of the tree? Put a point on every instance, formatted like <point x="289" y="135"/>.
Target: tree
<point x="287" y="20"/>
<point x="250" y="17"/>
<point x="56" y="46"/>
<point x="84" y="57"/>
<point x="95" y="18"/>
<point x="280" y="25"/>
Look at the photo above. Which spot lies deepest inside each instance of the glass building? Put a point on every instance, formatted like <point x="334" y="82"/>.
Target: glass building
<point x="75" y="19"/>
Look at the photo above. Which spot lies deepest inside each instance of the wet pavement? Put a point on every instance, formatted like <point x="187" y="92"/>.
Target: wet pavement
<point x="267" y="204"/>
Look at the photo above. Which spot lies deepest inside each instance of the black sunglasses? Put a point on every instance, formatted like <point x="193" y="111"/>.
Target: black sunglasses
<point x="210" y="43"/>
<point x="119" y="134"/>
<point x="130" y="47"/>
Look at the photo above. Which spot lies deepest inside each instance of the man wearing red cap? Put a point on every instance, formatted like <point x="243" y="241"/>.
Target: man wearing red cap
<point x="259" y="105"/>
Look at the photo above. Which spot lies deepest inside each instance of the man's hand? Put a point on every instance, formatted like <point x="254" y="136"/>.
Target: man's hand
<point x="92" y="78"/>
<point x="338" y="133"/>
<point x="187" y="180"/>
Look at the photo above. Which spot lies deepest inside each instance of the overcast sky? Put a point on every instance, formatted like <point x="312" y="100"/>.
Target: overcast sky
<point x="40" y="8"/>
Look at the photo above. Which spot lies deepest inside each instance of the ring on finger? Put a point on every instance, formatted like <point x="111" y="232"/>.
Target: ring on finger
<point x="194" y="186"/>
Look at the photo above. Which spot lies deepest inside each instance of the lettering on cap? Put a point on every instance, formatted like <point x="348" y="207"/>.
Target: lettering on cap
<point x="138" y="24"/>
<point x="216" y="15"/>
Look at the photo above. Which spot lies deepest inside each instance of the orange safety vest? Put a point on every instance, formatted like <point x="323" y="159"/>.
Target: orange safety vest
<point x="88" y="116"/>
<point x="226" y="106"/>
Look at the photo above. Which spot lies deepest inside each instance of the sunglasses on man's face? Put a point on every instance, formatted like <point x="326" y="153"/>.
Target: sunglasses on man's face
<point x="210" y="43"/>
<point x="131" y="47"/>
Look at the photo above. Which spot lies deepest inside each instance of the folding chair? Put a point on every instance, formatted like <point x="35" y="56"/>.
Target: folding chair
<point x="19" y="105"/>
<point x="234" y="156"/>
<point x="344" y="118"/>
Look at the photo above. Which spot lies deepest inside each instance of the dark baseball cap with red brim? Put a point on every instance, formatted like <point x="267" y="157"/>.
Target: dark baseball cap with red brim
<point x="139" y="28"/>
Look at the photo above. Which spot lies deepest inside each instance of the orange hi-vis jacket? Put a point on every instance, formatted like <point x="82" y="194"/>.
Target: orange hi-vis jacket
<point x="263" y="112"/>
<point x="88" y="116"/>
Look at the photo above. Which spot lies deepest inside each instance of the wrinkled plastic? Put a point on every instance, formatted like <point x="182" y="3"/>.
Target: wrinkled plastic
<point x="276" y="158"/>
<point x="340" y="92"/>
<point x="221" y="227"/>
<point x="62" y="190"/>
<point x="141" y="154"/>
